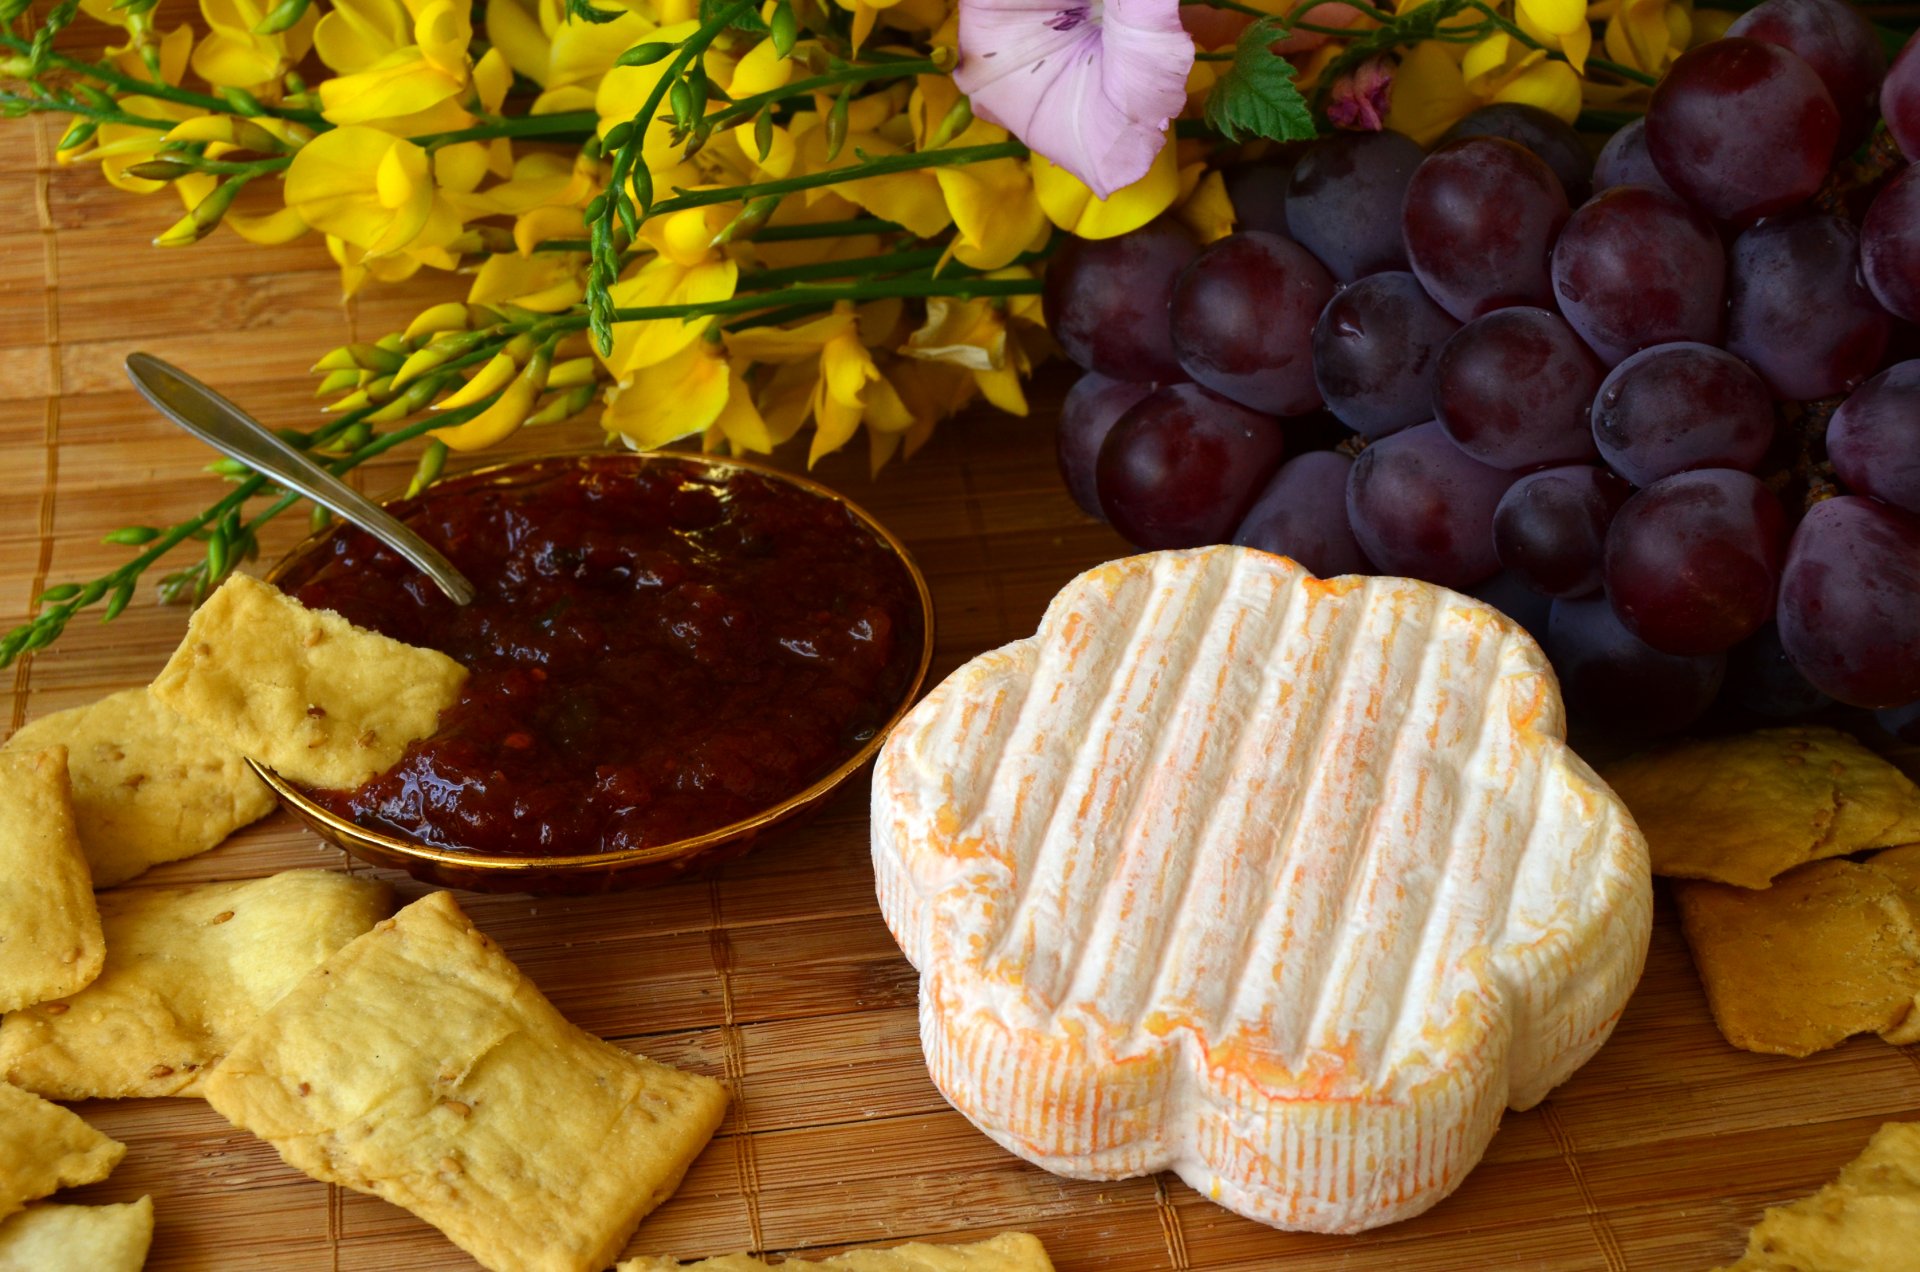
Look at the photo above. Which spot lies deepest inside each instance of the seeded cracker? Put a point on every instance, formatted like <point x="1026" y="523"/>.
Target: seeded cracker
<point x="50" y="941"/>
<point x="44" y="1147"/>
<point x="1743" y="809"/>
<point x="1830" y="950"/>
<point x="1867" y="1220"/>
<point x="1008" y="1252"/>
<point x="189" y="970"/>
<point x="148" y="786"/>
<point x="78" y="1238"/>
<point x="421" y="1066"/>
<point x="305" y="692"/>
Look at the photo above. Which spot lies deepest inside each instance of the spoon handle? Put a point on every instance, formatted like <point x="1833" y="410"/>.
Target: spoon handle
<point x="231" y="431"/>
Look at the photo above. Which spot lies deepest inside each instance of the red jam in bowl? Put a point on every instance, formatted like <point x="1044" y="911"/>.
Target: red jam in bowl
<point x="659" y="649"/>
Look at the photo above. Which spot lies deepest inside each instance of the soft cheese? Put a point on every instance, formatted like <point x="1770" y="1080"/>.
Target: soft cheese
<point x="1288" y="885"/>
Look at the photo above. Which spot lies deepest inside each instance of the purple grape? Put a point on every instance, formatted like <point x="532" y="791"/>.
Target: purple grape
<point x="1542" y="132"/>
<point x="1850" y="602"/>
<point x="1742" y="129"/>
<point x="1616" y="683"/>
<point x="1550" y="529"/>
<point x="1692" y="561"/>
<point x="1761" y="679"/>
<point x="1874" y="438"/>
<point x="1480" y="217"/>
<point x="1343" y="203"/>
<point x="1422" y="507"/>
<point x="1092" y="407"/>
<point x="1243" y="315"/>
<point x="1303" y="514"/>
<point x="1624" y="161"/>
<point x="1182" y="466"/>
<point x="1106" y="301"/>
<point x="1506" y="593"/>
<point x="1797" y="309"/>
<point x="1674" y="407"/>
<point x="1637" y="267"/>
<point x="1512" y="390"/>
<point x="1258" y="191"/>
<point x="1890" y="246"/>
<point x="1837" y="42"/>
<point x="1374" y="351"/>
<point x="1900" y="99"/>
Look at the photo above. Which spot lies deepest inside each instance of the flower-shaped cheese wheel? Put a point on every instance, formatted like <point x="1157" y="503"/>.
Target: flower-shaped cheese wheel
<point x="1288" y="885"/>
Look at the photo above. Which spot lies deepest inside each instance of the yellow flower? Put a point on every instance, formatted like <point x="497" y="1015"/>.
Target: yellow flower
<point x="233" y="55"/>
<point x="973" y="334"/>
<point x="993" y="204"/>
<point x="367" y="188"/>
<point x="395" y="61"/>
<point x="695" y="391"/>
<point x="1558" y="24"/>
<point x="846" y="390"/>
<point x="876" y="127"/>
<point x="567" y="59"/>
<point x="546" y="282"/>
<point x="685" y="270"/>
<point x="865" y="14"/>
<point x="1436" y="85"/>
<point x="118" y="147"/>
<point x="1647" y="34"/>
<point x="1070" y="205"/>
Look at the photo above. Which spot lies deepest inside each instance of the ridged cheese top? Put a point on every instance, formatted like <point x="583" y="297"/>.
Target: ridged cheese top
<point x="1222" y="836"/>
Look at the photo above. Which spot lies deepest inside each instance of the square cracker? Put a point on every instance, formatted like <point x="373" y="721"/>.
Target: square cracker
<point x="188" y="972"/>
<point x="421" y="1066"/>
<point x="1008" y="1252"/>
<point x="1742" y="809"/>
<point x="148" y="786"/>
<point x="78" y="1238"/>
<point x="1830" y="950"/>
<point x="305" y="692"/>
<point x="44" y="1148"/>
<point x="50" y="943"/>
<point x="1867" y="1220"/>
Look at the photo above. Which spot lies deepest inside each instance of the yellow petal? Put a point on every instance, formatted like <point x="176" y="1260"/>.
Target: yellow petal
<point x="1208" y="212"/>
<point x="740" y="421"/>
<point x="1070" y="205"/>
<point x="536" y="227"/>
<point x="662" y="281"/>
<point x="461" y="167"/>
<point x="584" y="51"/>
<point x="492" y="77"/>
<point x="761" y="70"/>
<point x="443" y="29"/>
<point x="268" y="229"/>
<point x="546" y="282"/>
<point x="671" y="399"/>
<point x="885" y="411"/>
<point x="1429" y="93"/>
<point x="496" y="374"/>
<point x="994" y="208"/>
<point x="404" y="83"/>
<point x="363" y="186"/>
<point x="1551" y="86"/>
<point x="516" y="35"/>
<point x="789" y="344"/>
<point x="355" y="34"/>
<point x="1560" y="17"/>
<point x="495" y="424"/>
<point x="834" y="424"/>
<point x="846" y="368"/>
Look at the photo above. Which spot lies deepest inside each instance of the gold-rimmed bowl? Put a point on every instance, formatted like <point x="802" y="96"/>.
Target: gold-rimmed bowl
<point x="621" y="868"/>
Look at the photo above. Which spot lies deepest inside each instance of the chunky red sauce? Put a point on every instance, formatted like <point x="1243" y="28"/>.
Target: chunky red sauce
<point x="657" y="650"/>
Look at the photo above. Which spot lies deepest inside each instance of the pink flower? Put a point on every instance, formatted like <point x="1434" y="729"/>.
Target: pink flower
<point x="1090" y="84"/>
<point x="1359" y="99"/>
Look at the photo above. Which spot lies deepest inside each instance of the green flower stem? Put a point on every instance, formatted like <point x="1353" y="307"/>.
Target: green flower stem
<point x="886" y="165"/>
<point x="891" y="262"/>
<point x="221" y="167"/>
<point x="71" y="106"/>
<point x="831" y="293"/>
<point x="747" y="107"/>
<point x="568" y="125"/>
<point x="768" y="234"/>
<point x="154" y="88"/>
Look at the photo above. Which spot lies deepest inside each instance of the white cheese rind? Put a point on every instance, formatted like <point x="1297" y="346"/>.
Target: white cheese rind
<point x="1290" y="886"/>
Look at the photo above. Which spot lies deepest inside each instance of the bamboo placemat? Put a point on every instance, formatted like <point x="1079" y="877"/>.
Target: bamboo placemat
<point x="776" y="974"/>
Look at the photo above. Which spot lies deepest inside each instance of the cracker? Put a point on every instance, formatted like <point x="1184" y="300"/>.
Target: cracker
<point x="421" y="1066"/>
<point x="44" y="1147"/>
<point x="1830" y="950"/>
<point x="305" y="692"/>
<point x="1742" y="809"/>
<point x="78" y="1238"/>
<point x="50" y="943"/>
<point x="1008" y="1252"/>
<point x="148" y="786"/>
<point x="1867" y="1220"/>
<point x="189" y="970"/>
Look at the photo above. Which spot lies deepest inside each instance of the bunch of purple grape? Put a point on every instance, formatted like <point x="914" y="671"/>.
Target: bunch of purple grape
<point x="1651" y="405"/>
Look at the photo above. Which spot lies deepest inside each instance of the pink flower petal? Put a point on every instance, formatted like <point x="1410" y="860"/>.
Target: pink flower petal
<point x="1091" y="86"/>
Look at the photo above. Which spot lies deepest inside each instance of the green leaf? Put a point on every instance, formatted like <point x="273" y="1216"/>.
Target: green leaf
<point x="746" y="20"/>
<point x="1257" y="96"/>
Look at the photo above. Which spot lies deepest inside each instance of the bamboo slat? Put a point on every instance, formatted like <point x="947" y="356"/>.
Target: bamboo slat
<point x="776" y="974"/>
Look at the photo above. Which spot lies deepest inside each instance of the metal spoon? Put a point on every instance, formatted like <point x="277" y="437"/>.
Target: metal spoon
<point x="237" y="435"/>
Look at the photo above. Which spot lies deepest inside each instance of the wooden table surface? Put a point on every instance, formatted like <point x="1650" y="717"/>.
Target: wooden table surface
<point x="775" y="974"/>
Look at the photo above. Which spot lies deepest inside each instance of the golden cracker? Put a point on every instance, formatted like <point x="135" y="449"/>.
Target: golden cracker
<point x="50" y="941"/>
<point x="44" y="1148"/>
<point x="1008" y="1252"/>
<point x="305" y="692"/>
<point x="421" y="1066"/>
<point x="51" y="1238"/>
<point x="1867" y="1220"/>
<point x="188" y="971"/>
<point x="148" y="786"/>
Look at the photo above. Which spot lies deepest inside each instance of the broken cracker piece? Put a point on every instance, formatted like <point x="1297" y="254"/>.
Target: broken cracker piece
<point x="188" y="971"/>
<point x="1008" y="1252"/>
<point x="51" y="1238"/>
<point x="421" y="1066"/>
<point x="1745" y="808"/>
<point x="1830" y="950"/>
<point x="44" y="1148"/>
<point x="1867" y="1220"/>
<point x="305" y="692"/>
<point x="148" y="785"/>
<point x="50" y="942"/>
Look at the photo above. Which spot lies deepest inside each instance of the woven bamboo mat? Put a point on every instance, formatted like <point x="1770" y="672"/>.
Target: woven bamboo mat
<point x="776" y="975"/>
